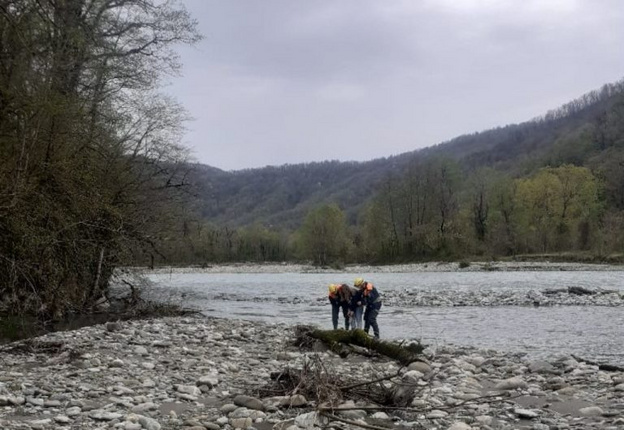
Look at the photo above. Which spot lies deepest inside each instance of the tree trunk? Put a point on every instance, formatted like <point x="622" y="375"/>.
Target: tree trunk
<point x="337" y="339"/>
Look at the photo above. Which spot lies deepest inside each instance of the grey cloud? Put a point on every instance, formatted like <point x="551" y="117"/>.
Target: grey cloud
<point x="279" y="81"/>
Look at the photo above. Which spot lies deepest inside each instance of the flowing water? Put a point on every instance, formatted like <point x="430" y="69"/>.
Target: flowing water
<point x="592" y="332"/>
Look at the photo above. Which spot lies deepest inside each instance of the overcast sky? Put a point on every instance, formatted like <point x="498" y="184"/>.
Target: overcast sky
<point x="291" y="81"/>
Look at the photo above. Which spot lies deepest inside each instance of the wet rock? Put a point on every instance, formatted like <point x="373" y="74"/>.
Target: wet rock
<point x="209" y="380"/>
<point x="485" y="420"/>
<point x="113" y="326"/>
<point x="189" y="389"/>
<point x="435" y="414"/>
<point x="241" y="423"/>
<point x="543" y="367"/>
<point x="295" y="401"/>
<point x="40" y="424"/>
<point x="591" y="411"/>
<point x="34" y="401"/>
<point x="526" y="413"/>
<point x="458" y="425"/>
<point x="73" y="411"/>
<point x="420" y="366"/>
<point x="567" y="391"/>
<point x="228" y="407"/>
<point x="141" y="350"/>
<point x="412" y="376"/>
<point x="307" y="421"/>
<point x="144" y="407"/>
<point x="118" y="363"/>
<point x="222" y="420"/>
<point x="62" y="419"/>
<point x="511" y="384"/>
<point x="149" y="423"/>
<point x="354" y="414"/>
<point x="249" y="402"/>
<point x="100" y="415"/>
<point x="240" y="412"/>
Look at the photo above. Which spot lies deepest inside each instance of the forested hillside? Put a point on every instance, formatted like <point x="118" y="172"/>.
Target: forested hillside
<point x="421" y="204"/>
<point x="280" y="196"/>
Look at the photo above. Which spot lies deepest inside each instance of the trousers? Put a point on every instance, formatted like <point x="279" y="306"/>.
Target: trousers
<point x="336" y="311"/>
<point x="370" y="319"/>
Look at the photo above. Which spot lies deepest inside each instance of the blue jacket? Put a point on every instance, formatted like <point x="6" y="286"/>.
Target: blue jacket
<point x="372" y="297"/>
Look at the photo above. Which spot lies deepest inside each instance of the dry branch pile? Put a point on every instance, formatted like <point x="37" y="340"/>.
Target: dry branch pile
<point x="326" y="387"/>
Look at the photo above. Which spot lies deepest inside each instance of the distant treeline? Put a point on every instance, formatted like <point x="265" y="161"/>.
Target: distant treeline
<point x="432" y="212"/>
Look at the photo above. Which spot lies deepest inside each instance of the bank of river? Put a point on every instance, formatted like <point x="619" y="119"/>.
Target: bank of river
<point x="201" y="373"/>
<point x="501" y="307"/>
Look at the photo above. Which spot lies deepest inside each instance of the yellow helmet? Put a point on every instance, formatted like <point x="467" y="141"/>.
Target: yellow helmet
<point x="358" y="282"/>
<point x="333" y="288"/>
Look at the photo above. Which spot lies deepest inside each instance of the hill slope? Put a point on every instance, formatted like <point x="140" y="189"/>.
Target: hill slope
<point x="578" y="132"/>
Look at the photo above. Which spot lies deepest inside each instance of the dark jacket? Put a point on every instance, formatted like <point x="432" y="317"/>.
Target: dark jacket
<point x="342" y="296"/>
<point x="372" y="298"/>
<point x="357" y="297"/>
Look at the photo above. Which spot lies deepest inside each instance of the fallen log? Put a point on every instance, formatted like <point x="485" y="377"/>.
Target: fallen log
<point x="581" y="291"/>
<point x="339" y="340"/>
<point x="601" y="366"/>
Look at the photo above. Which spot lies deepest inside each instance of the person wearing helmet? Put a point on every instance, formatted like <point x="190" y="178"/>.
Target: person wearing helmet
<point x="340" y="298"/>
<point x="372" y="301"/>
<point x="356" y="307"/>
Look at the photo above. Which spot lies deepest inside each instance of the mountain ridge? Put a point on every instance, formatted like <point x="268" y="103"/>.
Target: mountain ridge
<point x="280" y="196"/>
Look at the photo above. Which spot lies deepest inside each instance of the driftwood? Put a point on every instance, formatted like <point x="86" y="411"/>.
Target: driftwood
<point x="581" y="291"/>
<point x="333" y="417"/>
<point x="577" y="291"/>
<point x="601" y="366"/>
<point x="340" y="340"/>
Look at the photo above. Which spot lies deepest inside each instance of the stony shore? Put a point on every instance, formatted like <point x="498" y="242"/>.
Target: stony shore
<point x="489" y="266"/>
<point x="545" y="297"/>
<point x="200" y="373"/>
<point x="413" y="297"/>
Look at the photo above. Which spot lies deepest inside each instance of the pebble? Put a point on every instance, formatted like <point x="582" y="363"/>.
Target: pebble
<point x="204" y="373"/>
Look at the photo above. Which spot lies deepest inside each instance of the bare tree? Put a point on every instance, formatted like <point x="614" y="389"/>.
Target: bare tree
<point x="88" y="145"/>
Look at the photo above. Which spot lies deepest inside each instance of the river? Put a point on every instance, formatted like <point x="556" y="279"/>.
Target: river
<point x="592" y="332"/>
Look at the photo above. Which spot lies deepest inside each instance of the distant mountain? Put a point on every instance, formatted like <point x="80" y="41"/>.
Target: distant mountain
<point x="577" y="132"/>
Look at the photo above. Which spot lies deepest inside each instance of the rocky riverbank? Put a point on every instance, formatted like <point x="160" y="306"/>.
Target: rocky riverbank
<point x="490" y="266"/>
<point x="481" y="297"/>
<point x="572" y="296"/>
<point x="200" y="373"/>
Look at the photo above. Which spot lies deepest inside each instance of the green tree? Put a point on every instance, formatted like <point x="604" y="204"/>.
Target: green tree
<point x="323" y="235"/>
<point x="557" y="204"/>
<point x="505" y="216"/>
